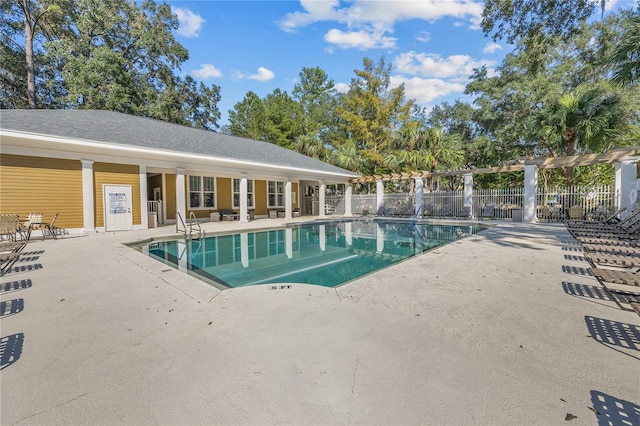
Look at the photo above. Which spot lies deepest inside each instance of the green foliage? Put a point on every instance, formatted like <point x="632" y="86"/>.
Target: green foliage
<point x="117" y="54"/>
<point x="626" y="54"/>
<point x="248" y="118"/>
<point x="567" y="106"/>
<point x="369" y="112"/>
<point x="515" y="20"/>
<point x="28" y="80"/>
<point x="283" y="119"/>
<point x="535" y="25"/>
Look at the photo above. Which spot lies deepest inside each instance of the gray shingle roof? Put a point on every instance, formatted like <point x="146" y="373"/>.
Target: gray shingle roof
<point x="127" y="130"/>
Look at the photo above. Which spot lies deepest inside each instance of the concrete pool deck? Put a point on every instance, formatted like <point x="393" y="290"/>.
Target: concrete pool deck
<point x="503" y="327"/>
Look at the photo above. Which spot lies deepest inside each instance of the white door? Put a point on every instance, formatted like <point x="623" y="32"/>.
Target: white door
<point x="118" y="214"/>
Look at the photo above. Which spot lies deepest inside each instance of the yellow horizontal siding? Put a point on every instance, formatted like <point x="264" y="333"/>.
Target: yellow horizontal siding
<point x="42" y="185"/>
<point x="116" y="174"/>
<point x="260" y="195"/>
<point x="170" y="179"/>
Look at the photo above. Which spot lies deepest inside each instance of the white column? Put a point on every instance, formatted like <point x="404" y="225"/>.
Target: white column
<point x="417" y="239"/>
<point x="244" y="211"/>
<point x="144" y="213"/>
<point x="468" y="192"/>
<point x="323" y="237"/>
<point x="347" y="199"/>
<point x="625" y="182"/>
<point x="287" y="199"/>
<point x="379" y="238"/>
<point x="244" y="249"/>
<point x="530" y="193"/>
<point x="181" y="199"/>
<point x="88" y="215"/>
<point x="322" y="197"/>
<point x="183" y="256"/>
<point x="288" y="242"/>
<point x="419" y="185"/>
<point x="379" y="195"/>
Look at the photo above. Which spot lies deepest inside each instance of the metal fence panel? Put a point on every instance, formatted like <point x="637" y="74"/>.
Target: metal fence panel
<point x="562" y="203"/>
<point x="553" y="203"/>
<point x="503" y="201"/>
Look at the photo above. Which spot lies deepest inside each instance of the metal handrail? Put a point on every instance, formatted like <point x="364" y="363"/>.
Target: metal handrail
<point x="181" y="220"/>
<point x="200" y="231"/>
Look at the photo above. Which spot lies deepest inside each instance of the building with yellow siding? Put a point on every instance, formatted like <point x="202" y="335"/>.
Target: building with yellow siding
<point x="108" y="171"/>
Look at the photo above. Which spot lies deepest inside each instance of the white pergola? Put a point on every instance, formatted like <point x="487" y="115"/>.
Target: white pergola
<point x="624" y="160"/>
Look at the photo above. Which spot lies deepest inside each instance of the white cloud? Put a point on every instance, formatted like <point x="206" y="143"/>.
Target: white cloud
<point x="359" y="39"/>
<point x="263" y="74"/>
<point x="368" y="21"/>
<point x="432" y="65"/>
<point x="207" y="71"/>
<point x="426" y="90"/>
<point x="314" y="11"/>
<point x="610" y="5"/>
<point x="366" y="12"/>
<point x="341" y="87"/>
<point x="424" y="37"/>
<point x="491" y="47"/>
<point x="190" y="23"/>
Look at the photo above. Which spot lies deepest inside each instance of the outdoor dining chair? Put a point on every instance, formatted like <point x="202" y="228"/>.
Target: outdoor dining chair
<point x="9" y="224"/>
<point x="50" y="228"/>
<point x="33" y="221"/>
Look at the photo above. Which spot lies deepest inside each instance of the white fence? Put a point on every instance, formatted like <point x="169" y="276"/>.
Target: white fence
<point x="553" y="203"/>
<point x="502" y="200"/>
<point x="562" y="203"/>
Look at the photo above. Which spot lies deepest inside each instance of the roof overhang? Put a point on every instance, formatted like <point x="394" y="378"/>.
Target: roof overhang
<point x="17" y="142"/>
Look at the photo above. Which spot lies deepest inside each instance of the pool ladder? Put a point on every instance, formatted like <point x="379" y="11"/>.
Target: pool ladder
<point x="192" y="219"/>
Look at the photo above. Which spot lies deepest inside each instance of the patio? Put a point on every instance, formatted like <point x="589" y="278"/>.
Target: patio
<point x="504" y="327"/>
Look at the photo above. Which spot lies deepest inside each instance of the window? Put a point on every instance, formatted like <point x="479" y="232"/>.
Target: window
<point x="236" y="194"/>
<point x="202" y="192"/>
<point x="275" y="192"/>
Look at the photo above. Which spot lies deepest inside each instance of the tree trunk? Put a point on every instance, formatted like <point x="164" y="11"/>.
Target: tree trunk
<point x="28" y="44"/>
<point x="570" y="137"/>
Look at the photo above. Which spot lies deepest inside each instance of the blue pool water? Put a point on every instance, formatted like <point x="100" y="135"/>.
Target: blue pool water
<point x="326" y="254"/>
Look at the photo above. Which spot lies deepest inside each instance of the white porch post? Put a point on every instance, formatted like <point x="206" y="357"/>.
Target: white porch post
<point x="88" y="215"/>
<point x="530" y="193"/>
<point x="625" y="182"/>
<point x="244" y="249"/>
<point x="183" y="255"/>
<point x="287" y="199"/>
<point x="379" y="195"/>
<point x="144" y="211"/>
<point x="419" y="185"/>
<point x="468" y="192"/>
<point x="379" y="238"/>
<point x="323" y="236"/>
<point x="180" y="195"/>
<point x="288" y="242"/>
<point x="322" y="197"/>
<point x="347" y="199"/>
<point x="244" y="211"/>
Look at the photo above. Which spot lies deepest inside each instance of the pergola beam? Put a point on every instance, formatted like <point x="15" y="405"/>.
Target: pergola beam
<point x="607" y="157"/>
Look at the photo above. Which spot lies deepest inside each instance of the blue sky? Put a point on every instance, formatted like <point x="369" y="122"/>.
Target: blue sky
<point x="263" y="45"/>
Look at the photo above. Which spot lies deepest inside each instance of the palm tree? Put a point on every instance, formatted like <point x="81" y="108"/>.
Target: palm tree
<point x="584" y="120"/>
<point x="346" y="156"/>
<point x="626" y="56"/>
<point x="416" y="147"/>
<point x="310" y="146"/>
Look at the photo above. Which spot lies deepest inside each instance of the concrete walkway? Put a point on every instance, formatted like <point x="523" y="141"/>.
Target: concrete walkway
<point x="503" y="327"/>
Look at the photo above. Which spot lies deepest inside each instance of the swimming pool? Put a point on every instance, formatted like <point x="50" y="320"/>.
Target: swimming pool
<point x="326" y="254"/>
